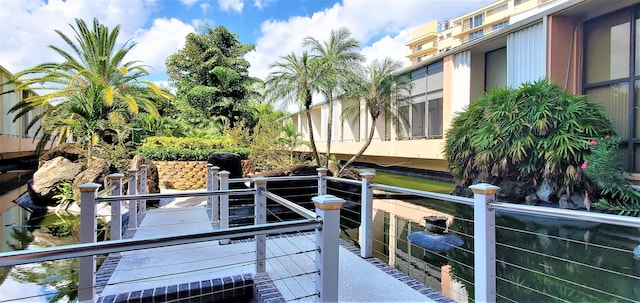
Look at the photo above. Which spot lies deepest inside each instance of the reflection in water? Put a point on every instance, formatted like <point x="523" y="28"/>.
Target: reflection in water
<point x="539" y="259"/>
<point x="42" y="282"/>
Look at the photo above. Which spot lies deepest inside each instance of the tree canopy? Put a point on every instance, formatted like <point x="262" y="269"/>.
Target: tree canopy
<point x="212" y="76"/>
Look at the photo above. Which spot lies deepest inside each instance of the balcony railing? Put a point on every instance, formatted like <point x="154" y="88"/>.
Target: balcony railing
<point x="491" y="271"/>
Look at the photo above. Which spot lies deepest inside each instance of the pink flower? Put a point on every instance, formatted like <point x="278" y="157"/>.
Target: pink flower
<point x="607" y="137"/>
<point x="593" y="142"/>
<point x="584" y="165"/>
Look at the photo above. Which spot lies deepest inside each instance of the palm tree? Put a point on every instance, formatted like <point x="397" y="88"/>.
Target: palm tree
<point x="290" y="139"/>
<point x="379" y="87"/>
<point x="93" y="89"/>
<point x="294" y="81"/>
<point x="337" y="60"/>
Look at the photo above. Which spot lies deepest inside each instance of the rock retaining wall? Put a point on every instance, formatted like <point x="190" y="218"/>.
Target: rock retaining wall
<point x="182" y="175"/>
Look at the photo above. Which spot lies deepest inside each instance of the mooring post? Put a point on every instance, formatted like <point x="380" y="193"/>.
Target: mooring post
<point x="484" y="243"/>
<point x="260" y="209"/>
<point x="143" y="187"/>
<point x="328" y="241"/>
<point x="88" y="225"/>
<point x="115" y="180"/>
<point x="224" y="203"/>
<point x="366" y="216"/>
<point x="133" y="204"/>
<point x="322" y="182"/>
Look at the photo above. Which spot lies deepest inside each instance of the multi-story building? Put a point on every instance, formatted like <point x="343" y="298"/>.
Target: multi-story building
<point x="16" y="140"/>
<point x="475" y="24"/>
<point x="589" y="47"/>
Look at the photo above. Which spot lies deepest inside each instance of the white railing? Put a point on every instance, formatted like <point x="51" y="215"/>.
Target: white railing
<point x="484" y="231"/>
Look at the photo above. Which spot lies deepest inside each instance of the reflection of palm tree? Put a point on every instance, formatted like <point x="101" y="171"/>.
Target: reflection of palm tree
<point x="91" y="91"/>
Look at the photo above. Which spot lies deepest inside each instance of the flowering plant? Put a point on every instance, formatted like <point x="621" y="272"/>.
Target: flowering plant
<point x="603" y="167"/>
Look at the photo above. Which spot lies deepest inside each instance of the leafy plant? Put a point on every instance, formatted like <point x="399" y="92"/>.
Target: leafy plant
<point x="64" y="195"/>
<point x="604" y="168"/>
<point x="528" y="134"/>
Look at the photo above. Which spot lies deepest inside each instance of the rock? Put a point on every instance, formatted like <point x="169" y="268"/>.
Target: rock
<point x="230" y="162"/>
<point x="546" y="191"/>
<point x="565" y="203"/>
<point x="513" y="191"/>
<point x="70" y="151"/>
<point x="577" y="198"/>
<point x="96" y="172"/>
<point x="153" y="178"/>
<point x="435" y="243"/>
<point x="435" y="224"/>
<point x="531" y="199"/>
<point x="49" y="175"/>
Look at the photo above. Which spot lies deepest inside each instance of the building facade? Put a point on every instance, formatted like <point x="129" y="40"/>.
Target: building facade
<point x="589" y="47"/>
<point x="16" y="139"/>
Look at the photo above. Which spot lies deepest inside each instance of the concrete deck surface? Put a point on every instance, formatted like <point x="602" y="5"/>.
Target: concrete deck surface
<point x="290" y="262"/>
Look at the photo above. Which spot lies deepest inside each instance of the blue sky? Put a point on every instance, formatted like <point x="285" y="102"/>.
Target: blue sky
<point x="275" y="27"/>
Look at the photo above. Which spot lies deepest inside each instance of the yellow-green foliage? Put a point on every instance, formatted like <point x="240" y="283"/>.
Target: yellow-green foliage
<point x="188" y="143"/>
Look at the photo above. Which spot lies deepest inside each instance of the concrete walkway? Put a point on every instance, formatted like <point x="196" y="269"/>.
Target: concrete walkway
<point x="290" y="262"/>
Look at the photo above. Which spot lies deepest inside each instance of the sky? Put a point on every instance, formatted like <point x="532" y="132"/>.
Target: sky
<point x="275" y="27"/>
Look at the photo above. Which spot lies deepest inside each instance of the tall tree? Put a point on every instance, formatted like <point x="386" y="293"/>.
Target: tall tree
<point x="211" y="74"/>
<point x="337" y="59"/>
<point x="294" y="82"/>
<point x="92" y="90"/>
<point x="380" y="87"/>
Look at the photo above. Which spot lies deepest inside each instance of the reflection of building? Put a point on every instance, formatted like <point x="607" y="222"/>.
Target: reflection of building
<point x="15" y="139"/>
<point x="588" y="47"/>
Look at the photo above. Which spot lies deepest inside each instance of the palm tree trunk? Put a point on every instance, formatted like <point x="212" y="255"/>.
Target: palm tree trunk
<point x="313" y="141"/>
<point x="363" y="149"/>
<point x="330" y="128"/>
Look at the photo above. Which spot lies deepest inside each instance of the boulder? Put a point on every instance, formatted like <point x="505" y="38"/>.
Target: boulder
<point x="71" y="151"/>
<point x="230" y="162"/>
<point x="565" y="203"/>
<point x="49" y="175"/>
<point x="546" y="190"/>
<point x="153" y="178"/>
<point x="96" y="172"/>
<point x="513" y="191"/>
<point x="531" y="199"/>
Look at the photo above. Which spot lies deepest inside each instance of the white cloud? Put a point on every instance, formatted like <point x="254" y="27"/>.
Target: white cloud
<point x="258" y="4"/>
<point x="155" y="44"/>
<point x="227" y="5"/>
<point x="368" y="21"/>
<point x="188" y="2"/>
<point x="29" y="27"/>
<point x="204" y="7"/>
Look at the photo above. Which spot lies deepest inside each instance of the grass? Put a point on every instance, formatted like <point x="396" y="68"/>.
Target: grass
<point x="413" y="182"/>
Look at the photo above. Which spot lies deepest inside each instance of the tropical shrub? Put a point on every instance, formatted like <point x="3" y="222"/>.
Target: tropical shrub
<point x="603" y="167"/>
<point x="533" y="133"/>
<point x="187" y="149"/>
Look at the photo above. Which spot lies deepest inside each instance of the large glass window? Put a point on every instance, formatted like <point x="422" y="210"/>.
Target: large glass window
<point x="423" y="109"/>
<point x="495" y="68"/>
<point x="612" y="74"/>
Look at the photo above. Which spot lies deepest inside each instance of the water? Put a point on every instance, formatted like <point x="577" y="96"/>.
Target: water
<point x="43" y="282"/>
<point x="600" y="266"/>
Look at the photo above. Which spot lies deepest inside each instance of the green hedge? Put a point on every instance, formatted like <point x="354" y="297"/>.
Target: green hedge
<point x="187" y="149"/>
<point x="184" y="154"/>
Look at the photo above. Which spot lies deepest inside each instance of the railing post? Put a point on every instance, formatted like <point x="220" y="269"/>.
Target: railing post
<point x="260" y="212"/>
<point x="212" y="201"/>
<point x="115" y="180"/>
<point x="366" y="216"/>
<point x="142" y="189"/>
<point x="133" y="204"/>
<point x="322" y="182"/>
<point x="88" y="224"/>
<point x="328" y="241"/>
<point x="224" y="203"/>
<point x="484" y="242"/>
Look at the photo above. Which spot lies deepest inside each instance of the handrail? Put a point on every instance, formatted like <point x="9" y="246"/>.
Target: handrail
<point x="567" y="214"/>
<point x="240" y="180"/>
<point x="293" y="178"/>
<point x="344" y="180"/>
<point x="425" y="194"/>
<point x="290" y="205"/>
<point x="200" y="193"/>
<point x="90" y="249"/>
